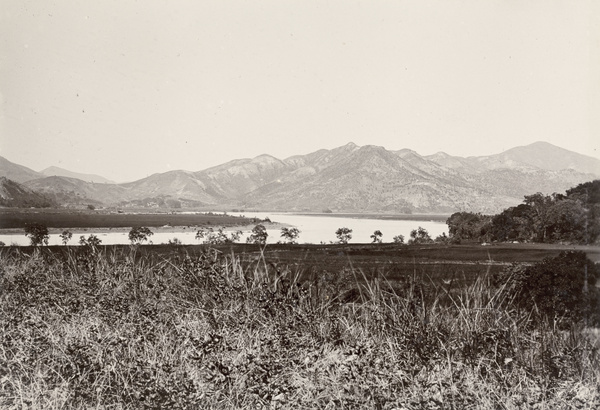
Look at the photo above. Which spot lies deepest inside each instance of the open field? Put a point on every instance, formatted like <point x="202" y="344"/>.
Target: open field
<point x="463" y="264"/>
<point x="60" y="218"/>
<point x="195" y="327"/>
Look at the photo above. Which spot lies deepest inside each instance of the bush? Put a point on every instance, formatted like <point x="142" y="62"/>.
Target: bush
<point x="419" y="236"/>
<point x="139" y="234"/>
<point x="92" y="241"/>
<point x="259" y="235"/>
<point x="343" y="235"/>
<point x="175" y="242"/>
<point x="37" y="233"/>
<point x="399" y="239"/>
<point x="290" y="235"/>
<point x="562" y="287"/>
<point x="376" y="237"/>
<point x="218" y="237"/>
<point x="66" y="236"/>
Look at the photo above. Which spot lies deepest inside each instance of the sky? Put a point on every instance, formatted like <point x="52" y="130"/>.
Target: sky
<point x="125" y="89"/>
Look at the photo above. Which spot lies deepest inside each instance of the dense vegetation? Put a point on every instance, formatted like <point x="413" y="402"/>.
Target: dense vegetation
<point x="572" y="218"/>
<point x="91" y="328"/>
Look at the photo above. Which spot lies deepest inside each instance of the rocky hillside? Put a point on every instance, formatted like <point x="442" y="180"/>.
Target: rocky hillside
<point x="13" y="194"/>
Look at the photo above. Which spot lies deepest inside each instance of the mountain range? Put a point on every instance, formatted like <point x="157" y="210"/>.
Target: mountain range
<point x="60" y="172"/>
<point x="349" y="178"/>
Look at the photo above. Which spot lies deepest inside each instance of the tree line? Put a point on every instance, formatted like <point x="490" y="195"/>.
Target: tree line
<point x="573" y="217"/>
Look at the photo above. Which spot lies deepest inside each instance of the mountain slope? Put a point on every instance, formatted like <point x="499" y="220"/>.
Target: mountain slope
<point x="60" y="172"/>
<point x="541" y="155"/>
<point x="372" y="179"/>
<point x="239" y="177"/>
<point x="16" y="172"/>
<point x="75" y="191"/>
<point x="13" y="194"/>
<point x="176" y="185"/>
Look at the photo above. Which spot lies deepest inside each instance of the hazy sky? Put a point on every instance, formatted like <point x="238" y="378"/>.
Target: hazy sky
<point x="128" y="88"/>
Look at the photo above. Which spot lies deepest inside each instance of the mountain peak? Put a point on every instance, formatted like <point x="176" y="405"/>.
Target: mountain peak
<point x="16" y="172"/>
<point x="405" y="153"/>
<point x="61" y="172"/>
<point x="544" y="155"/>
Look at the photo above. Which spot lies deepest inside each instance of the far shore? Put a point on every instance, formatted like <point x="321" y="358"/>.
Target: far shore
<point x="390" y="217"/>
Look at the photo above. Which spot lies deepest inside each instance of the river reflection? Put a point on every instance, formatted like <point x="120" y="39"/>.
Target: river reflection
<point x="314" y="229"/>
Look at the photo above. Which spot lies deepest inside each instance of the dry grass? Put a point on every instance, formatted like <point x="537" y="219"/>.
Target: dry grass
<point x="92" y="329"/>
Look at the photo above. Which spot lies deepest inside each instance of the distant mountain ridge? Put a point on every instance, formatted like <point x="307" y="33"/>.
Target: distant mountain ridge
<point x="349" y="178"/>
<point x="60" y="172"/>
<point x="16" y="172"/>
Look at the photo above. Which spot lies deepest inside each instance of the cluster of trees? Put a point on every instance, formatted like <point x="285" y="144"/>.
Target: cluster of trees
<point x="217" y="237"/>
<point x="573" y="217"/>
<point x="258" y="235"/>
<point x="38" y="235"/>
<point x="418" y="236"/>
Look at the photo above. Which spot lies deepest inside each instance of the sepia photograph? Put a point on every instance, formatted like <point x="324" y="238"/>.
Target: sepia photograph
<point x="278" y="204"/>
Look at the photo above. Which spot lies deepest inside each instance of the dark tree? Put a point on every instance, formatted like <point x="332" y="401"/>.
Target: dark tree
<point x="92" y="241"/>
<point x="139" y="234"/>
<point x="419" y="236"/>
<point x="376" y="237"/>
<point x="399" y="239"/>
<point x="343" y="235"/>
<point x="37" y="233"/>
<point x="468" y="226"/>
<point x="259" y="235"/>
<point x="290" y="235"/>
<point x="66" y="236"/>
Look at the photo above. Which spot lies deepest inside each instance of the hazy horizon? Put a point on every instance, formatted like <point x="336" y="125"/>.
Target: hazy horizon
<point x="124" y="90"/>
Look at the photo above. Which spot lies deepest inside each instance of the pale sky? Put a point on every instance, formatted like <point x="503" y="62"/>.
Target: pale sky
<point x="125" y="89"/>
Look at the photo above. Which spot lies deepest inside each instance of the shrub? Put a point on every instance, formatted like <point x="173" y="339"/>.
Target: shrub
<point x="290" y="235"/>
<point x="66" y="236"/>
<point x="443" y="238"/>
<point x="37" y="233"/>
<point x="419" y="236"/>
<point x="218" y="237"/>
<point x="343" y="235"/>
<point x="376" y="237"/>
<point x="139" y="234"/>
<point x="399" y="239"/>
<point x="92" y="241"/>
<point x="259" y="235"/>
<point x="562" y="287"/>
<point x="175" y="242"/>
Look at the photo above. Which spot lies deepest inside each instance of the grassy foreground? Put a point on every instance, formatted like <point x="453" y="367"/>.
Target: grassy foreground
<point x="92" y="328"/>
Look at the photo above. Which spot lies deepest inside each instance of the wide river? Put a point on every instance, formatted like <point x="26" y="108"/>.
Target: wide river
<point x="313" y="229"/>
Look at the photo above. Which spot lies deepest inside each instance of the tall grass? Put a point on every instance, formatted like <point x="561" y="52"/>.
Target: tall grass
<point x="95" y="329"/>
